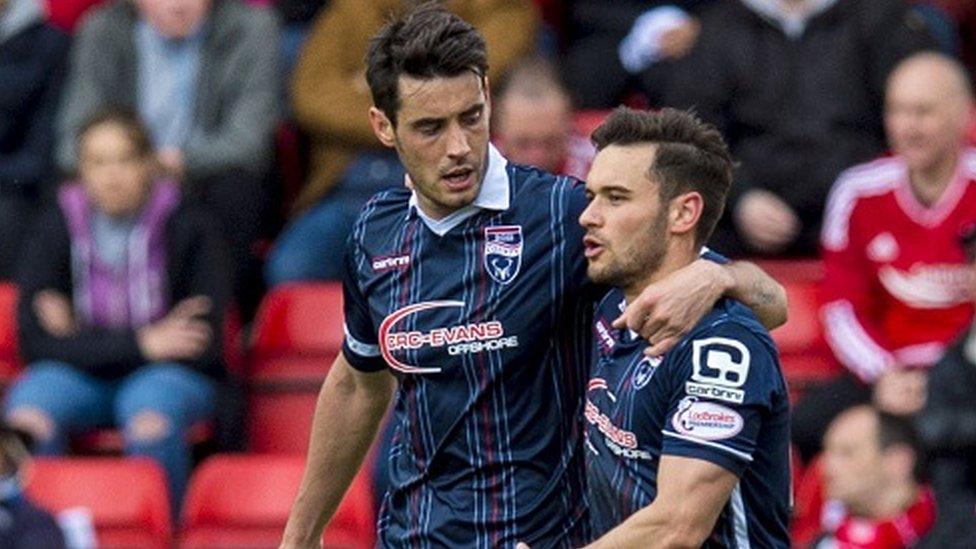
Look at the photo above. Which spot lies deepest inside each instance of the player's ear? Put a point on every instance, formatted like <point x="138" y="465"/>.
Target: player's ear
<point x="685" y="211"/>
<point x="382" y="127"/>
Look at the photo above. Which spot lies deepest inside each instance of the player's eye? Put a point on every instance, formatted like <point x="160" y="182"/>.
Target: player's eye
<point x="616" y="198"/>
<point x="589" y="196"/>
<point x="472" y="118"/>
<point x="429" y="128"/>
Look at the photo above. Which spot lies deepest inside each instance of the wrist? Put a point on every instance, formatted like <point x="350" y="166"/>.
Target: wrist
<point x="720" y="275"/>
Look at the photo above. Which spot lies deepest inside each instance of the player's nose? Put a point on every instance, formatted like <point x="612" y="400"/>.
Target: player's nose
<point x="590" y="216"/>
<point x="457" y="142"/>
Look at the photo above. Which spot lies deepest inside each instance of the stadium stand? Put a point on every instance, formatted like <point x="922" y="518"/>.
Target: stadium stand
<point x="126" y="497"/>
<point x="804" y="354"/>
<point x="297" y="334"/>
<point x="238" y="502"/>
<point x="10" y="363"/>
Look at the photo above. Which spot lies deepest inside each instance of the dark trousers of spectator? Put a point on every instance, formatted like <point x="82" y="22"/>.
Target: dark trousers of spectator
<point x="242" y="204"/>
<point x="16" y="213"/>
<point x="815" y="411"/>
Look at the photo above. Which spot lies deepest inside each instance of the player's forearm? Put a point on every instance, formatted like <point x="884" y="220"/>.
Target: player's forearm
<point x="757" y="290"/>
<point x="346" y="420"/>
<point x="655" y="527"/>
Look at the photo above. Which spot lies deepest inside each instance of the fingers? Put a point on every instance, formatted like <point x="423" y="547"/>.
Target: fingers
<point x="190" y="307"/>
<point x="661" y="347"/>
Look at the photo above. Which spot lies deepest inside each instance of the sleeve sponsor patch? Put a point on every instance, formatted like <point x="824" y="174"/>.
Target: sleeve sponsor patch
<point x="720" y="361"/>
<point x="706" y="420"/>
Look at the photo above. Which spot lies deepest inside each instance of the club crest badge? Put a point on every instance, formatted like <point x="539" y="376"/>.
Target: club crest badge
<point x="503" y="252"/>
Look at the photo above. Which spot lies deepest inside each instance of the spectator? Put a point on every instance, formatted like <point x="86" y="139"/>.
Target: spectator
<point x="331" y="102"/>
<point x="118" y="316"/>
<point x="23" y="525"/>
<point x="947" y="428"/>
<point x="617" y="48"/>
<point x="32" y="58"/>
<point x="201" y="74"/>
<point x="796" y="86"/>
<point x="897" y="286"/>
<point x="534" y="121"/>
<point x="874" y="498"/>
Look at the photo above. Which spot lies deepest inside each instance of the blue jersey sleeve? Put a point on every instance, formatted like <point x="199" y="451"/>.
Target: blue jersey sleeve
<point x="360" y="345"/>
<point x="726" y="381"/>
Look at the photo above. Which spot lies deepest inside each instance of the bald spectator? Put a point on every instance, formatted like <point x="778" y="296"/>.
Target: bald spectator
<point x="32" y="60"/>
<point x="201" y="75"/>
<point x="331" y="100"/>
<point x="533" y="121"/>
<point x="796" y="86"/>
<point x="874" y="498"/>
<point x="898" y="284"/>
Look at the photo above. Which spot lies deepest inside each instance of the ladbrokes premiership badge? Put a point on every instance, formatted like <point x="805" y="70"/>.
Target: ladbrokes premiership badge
<point x="503" y="252"/>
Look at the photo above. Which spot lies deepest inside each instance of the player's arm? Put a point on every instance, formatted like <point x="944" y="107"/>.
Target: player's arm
<point x="350" y="407"/>
<point x="691" y="494"/>
<point x="669" y="308"/>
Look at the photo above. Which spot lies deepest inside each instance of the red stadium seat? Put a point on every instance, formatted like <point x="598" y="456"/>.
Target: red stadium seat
<point x="127" y="497"/>
<point x="297" y="334"/>
<point x="280" y="421"/>
<point x="587" y="121"/>
<point x="10" y="364"/>
<point x="66" y="14"/>
<point x="237" y="502"/>
<point x="804" y="354"/>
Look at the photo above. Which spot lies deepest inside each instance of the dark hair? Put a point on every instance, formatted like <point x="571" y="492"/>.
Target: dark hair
<point x="426" y="42"/>
<point x="126" y="119"/>
<point x="691" y="156"/>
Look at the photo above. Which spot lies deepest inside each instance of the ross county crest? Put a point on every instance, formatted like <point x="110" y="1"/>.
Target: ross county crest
<point x="503" y="252"/>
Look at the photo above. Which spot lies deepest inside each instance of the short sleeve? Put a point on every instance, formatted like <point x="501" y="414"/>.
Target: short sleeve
<point x="360" y="345"/>
<point x="726" y="380"/>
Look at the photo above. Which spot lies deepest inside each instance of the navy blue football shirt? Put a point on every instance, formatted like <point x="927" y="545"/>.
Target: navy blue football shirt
<point x="484" y="317"/>
<point x="719" y="395"/>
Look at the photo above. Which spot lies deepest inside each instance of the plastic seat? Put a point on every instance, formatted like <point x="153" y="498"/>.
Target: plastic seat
<point x="804" y="354"/>
<point x="297" y="335"/>
<point x="237" y="502"/>
<point x="585" y="122"/>
<point x="10" y="364"/>
<point x="280" y="421"/>
<point x="127" y="497"/>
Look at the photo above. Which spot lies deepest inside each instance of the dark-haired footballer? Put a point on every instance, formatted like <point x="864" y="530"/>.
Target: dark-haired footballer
<point x="689" y="448"/>
<point x="466" y="297"/>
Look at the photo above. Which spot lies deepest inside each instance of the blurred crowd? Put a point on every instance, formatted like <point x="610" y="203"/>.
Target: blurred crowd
<point x="164" y="162"/>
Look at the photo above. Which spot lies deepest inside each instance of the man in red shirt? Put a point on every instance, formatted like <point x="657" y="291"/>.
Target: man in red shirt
<point x="898" y="286"/>
<point x="873" y="498"/>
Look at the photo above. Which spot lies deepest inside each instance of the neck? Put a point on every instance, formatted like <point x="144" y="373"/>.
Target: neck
<point x="930" y="182"/>
<point x="893" y="501"/>
<point x="680" y="253"/>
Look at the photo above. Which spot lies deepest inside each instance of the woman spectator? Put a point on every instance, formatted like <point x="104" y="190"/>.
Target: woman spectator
<point x="122" y="291"/>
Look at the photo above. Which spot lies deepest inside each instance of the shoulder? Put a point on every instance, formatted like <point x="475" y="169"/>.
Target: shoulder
<point x="853" y="186"/>
<point x="562" y="195"/>
<point x="382" y="213"/>
<point x="729" y="339"/>
<point x="112" y="18"/>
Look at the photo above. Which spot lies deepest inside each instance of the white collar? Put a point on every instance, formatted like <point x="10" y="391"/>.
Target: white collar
<point x="495" y="194"/>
